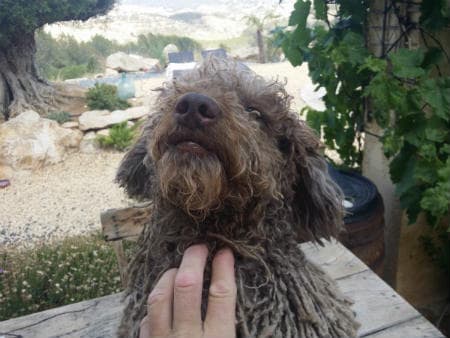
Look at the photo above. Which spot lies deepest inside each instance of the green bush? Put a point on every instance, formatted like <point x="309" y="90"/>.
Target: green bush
<point x="73" y="270"/>
<point x="104" y="96"/>
<point x="72" y="72"/>
<point x="60" y="117"/>
<point x="120" y="137"/>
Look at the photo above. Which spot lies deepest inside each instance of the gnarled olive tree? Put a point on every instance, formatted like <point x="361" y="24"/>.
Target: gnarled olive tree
<point x="21" y="87"/>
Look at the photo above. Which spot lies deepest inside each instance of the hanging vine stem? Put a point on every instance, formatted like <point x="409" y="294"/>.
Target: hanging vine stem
<point x="437" y="42"/>
<point x="438" y="68"/>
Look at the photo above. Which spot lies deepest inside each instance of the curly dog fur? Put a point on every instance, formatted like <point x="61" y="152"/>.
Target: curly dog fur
<point x="252" y="180"/>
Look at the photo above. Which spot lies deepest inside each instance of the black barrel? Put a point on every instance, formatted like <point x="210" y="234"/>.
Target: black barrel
<point x="363" y="231"/>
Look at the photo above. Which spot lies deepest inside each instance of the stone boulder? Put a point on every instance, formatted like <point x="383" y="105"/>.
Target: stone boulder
<point x="245" y="54"/>
<point x="100" y="119"/>
<point x="70" y="125"/>
<point x="89" y="144"/>
<point x="102" y="132"/>
<point x="30" y="142"/>
<point x="121" y="61"/>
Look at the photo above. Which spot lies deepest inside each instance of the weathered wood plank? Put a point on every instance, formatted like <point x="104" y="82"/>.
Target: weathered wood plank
<point x="89" y="319"/>
<point x="124" y="223"/>
<point x="334" y="258"/>
<point x="416" y="328"/>
<point x="381" y="312"/>
<point x="376" y="304"/>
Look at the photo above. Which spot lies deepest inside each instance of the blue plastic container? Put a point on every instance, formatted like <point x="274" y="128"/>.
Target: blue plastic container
<point x="125" y="88"/>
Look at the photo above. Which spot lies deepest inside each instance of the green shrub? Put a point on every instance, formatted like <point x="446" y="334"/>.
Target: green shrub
<point x="73" y="71"/>
<point x="73" y="270"/>
<point x="104" y="96"/>
<point x="120" y="137"/>
<point x="60" y="117"/>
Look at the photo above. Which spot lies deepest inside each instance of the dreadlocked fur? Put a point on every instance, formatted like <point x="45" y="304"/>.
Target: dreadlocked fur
<point x="254" y="182"/>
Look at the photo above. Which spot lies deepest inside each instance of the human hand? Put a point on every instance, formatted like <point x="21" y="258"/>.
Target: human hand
<point x="173" y="306"/>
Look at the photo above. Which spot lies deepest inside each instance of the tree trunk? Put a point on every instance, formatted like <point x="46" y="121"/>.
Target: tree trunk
<point x="260" y="43"/>
<point x="21" y="88"/>
<point x="383" y="31"/>
<point x="4" y="99"/>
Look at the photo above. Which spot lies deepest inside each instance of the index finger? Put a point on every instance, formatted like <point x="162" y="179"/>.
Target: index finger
<point x="221" y="312"/>
<point x="188" y="290"/>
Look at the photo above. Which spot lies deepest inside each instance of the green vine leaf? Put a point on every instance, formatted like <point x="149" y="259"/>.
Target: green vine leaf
<point x="407" y="63"/>
<point x="433" y="56"/>
<point x="300" y="14"/>
<point x="428" y="151"/>
<point x="407" y="180"/>
<point x="351" y="49"/>
<point x="302" y="37"/>
<point x="436" y="134"/>
<point x="315" y="119"/>
<point x="436" y="201"/>
<point x="373" y="64"/>
<point x="445" y="149"/>
<point x="391" y="143"/>
<point x="436" y="92"/>
<point x="320" y="7"/>
<point x="425" y="172"/>
<point x="410" y="201"/>
<point x="294" y="55"/>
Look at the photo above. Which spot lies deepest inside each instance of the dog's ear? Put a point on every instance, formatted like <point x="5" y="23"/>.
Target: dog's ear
<point x="136" y="171"/>
<point x="317" y="200"/>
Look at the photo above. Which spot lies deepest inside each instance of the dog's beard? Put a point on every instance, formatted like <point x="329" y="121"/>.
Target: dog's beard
<point x="194" y="184"/>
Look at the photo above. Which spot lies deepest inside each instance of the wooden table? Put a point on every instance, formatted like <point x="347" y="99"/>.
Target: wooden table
<point x="380" y="310"/>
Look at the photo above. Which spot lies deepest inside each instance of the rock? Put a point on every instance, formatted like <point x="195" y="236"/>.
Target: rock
<point x="70" y="125"/>
<point x="76" y="98"/>
<point x="111" y="72"/>
<point x="245" y="53"/>
<point x="130" y="124"/>
<point x="121" y="61"/>
<point x="30" y="142"/>
<point x="4" y="183"/>
<point x="100" y="119"/>
<point x="170" y="48"/>
<point x="104" y="132"/>
<point x="89" y="144"/>
<point x="26" y="118"/>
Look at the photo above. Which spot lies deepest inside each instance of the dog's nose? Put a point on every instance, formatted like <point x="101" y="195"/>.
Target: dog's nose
<point x="195" y="110"/>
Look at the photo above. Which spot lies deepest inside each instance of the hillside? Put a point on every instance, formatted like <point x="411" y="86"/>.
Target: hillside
<point x="197" y="19"/>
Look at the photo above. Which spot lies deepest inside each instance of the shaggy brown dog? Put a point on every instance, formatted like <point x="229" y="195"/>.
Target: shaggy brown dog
<point x="227" y="163"/>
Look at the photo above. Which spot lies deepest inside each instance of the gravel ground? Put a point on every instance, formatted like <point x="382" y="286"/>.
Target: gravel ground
<point x="60" y="200"/>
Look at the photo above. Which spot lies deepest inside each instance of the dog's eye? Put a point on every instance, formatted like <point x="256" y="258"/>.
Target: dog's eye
<point x="254" y="112"/>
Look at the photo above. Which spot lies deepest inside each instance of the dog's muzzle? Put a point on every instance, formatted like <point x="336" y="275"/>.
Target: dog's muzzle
<point x="196" y="111"/>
